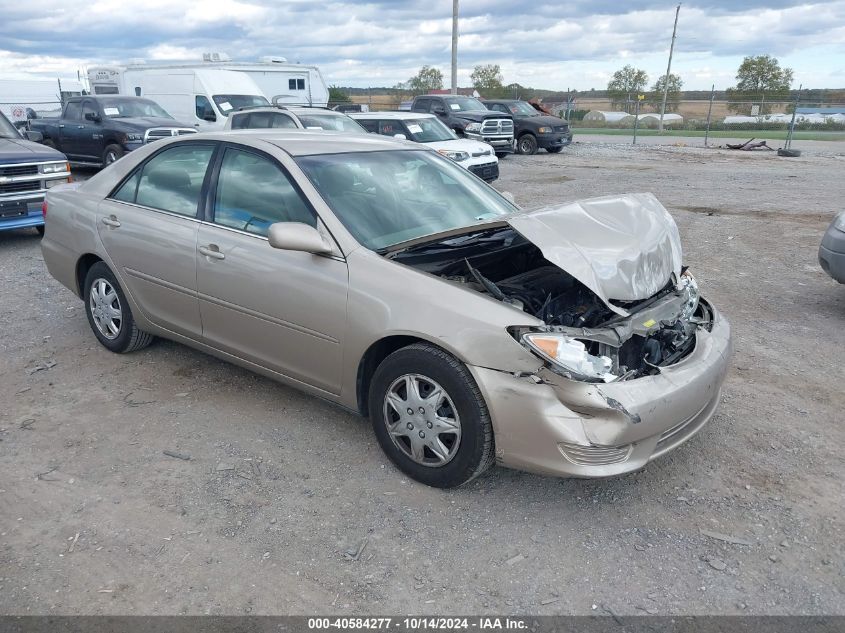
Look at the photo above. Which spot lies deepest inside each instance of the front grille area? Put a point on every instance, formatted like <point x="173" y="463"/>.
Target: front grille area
<point x="487" y="171"/>
<point x="17" y="187"/>
<point x="158" y="133"/>
<point x="497" y="127"/>
<point x="594" y="455"/>
<point x="18" y="170"/>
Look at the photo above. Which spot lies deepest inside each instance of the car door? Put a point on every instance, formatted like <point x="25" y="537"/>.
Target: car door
<point x="283" y="310"/>
<point x="88" y="132"/>
<point x="149" y="229"/>
<point x="70" y="129"/>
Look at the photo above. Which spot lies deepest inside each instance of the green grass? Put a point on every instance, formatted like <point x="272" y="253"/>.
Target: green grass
<point x="739" y="134"/>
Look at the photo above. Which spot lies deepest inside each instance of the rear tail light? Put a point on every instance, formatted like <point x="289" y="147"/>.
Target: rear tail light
<point x="44" y="208"/>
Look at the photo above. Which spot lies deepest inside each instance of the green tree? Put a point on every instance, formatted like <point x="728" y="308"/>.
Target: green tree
<point x="625" y="85"/>
<point x="673" y="98"/>
<point x="427" y="79"/>
<point x="338" y="95"/>
<point x="759" y="80"/>
<point x="487" y="80"/>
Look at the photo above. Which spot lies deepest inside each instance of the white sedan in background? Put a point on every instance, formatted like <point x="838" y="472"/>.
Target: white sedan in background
<point x="477" y="157"/>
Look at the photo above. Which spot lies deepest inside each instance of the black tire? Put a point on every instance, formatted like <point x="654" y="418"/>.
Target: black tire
<point x="111" y="154"/>
<point x="789" y="153"/>
<point x="554" y="150"/>
<point x="475" y="451"/>
<point x="527" y="144"/>
<point x="501" y="155"/>
<point x="128" y="338"/>
<point x="40" y="230"/>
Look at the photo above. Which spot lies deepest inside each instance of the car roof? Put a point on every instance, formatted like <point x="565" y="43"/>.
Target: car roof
<point x="311" y="110"/>
<point x="502" y="100"/>
<point x="307" y="142"/>
<point x="403" y="115"/>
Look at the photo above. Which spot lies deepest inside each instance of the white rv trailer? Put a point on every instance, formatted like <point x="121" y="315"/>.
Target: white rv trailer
<point x="203" y="95"/>
<point x="42" y="96"/>
<point x="283" y="82"/>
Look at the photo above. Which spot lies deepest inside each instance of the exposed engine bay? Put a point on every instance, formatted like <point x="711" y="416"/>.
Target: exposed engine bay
<point x="583" y="337"/>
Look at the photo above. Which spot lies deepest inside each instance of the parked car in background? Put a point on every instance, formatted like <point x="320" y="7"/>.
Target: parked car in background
<point x="202" y="97"/>
<point x="99" y="130"/>
<point x="27" y="171"/>
<point x="469" y="118"/>
<point x="568" y="340"/>
<point x="304" y="118"/>
<point x="477" y="157"/>
<point x="534" y="129"/>
<point x="832" y="249"/>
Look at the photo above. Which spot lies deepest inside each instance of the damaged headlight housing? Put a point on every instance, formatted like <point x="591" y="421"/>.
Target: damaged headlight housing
<point x="456" y="156"/>
<point x="689" y="290"/>
<point x="571" y="356"/>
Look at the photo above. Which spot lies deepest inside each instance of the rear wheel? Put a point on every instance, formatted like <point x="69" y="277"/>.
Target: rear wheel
<point x="527" y="144"/>
<point x="430" y="417"/>
<point x="109" y="314"/>
<point x="111" y="154"/>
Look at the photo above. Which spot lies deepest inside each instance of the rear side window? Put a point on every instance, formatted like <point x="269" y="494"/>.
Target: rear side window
<point x="296" y="84"/>
<point x="253" y="193"/>
<point x="169" y="181"/>
<point x="369" y="124"/>
<point x="263" y="120"/>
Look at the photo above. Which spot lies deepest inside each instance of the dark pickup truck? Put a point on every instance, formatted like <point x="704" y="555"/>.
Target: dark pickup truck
<point x="534" y="129"/>
<point x="27" y="171"/>
<point x="99" y="130"/>
<point x="469" y="118"/>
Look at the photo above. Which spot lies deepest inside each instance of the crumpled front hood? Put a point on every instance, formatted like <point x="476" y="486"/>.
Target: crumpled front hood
<point x="623" y="248"/>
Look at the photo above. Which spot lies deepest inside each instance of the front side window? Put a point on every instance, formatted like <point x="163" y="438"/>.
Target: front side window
<point x="253" y="192"/>
<point x="204" y="110"/>
<point x="73" y="110"/>
<point x="227" y="103"/>
<point x="88" y="108"/>
<point x="384" y="198"/>
<point x="169" y="181"/>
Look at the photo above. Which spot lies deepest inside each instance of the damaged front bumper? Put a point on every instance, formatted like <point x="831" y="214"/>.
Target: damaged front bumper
<point x="549" y="424"/>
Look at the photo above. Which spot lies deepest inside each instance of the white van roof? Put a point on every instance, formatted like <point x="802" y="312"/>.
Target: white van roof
<point x="393" y="116"/>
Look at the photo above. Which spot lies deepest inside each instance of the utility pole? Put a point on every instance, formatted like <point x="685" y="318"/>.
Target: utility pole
<point x="454" y="47"/>
<point x="668" y="71"/>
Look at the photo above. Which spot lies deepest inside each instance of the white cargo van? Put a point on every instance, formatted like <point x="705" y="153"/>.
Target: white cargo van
<point x="204" y="96"/>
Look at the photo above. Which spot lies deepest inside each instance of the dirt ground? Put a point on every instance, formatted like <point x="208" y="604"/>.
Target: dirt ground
<point x="287" y="505"/>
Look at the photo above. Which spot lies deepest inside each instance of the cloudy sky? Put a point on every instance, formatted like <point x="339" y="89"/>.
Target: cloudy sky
<point x="553" y="45"/>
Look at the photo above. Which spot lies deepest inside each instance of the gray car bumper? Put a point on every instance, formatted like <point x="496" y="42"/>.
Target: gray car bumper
<point x="832" y="253"/>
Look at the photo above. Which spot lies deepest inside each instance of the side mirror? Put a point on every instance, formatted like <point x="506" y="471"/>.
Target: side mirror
<point x="296" y="236"/>
<point x="33" y="135"/>
<point x="401" y="137"/>
<point x="440" y="110"/>
<point x="92" y="116"/>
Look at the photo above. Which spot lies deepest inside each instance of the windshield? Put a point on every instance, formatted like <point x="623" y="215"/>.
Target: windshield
<point x="463" y="104"/>
<point x="124" y="108"/>
<point x="522" y="108"/>
<point x="227" y="103"/>
<point x="384" y="198"/>
<point x="331" y="122"/>
<point x="429" y="130"/>
<point x="7" y="130"/>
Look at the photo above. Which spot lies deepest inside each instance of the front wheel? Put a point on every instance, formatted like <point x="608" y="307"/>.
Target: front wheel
<point x="430" y="417"/>
<point x="108" y="312"/>
<point x="527" y="144"/>
<point x="111" y="154"/>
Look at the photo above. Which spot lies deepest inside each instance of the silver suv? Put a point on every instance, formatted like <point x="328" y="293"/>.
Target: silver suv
<point x="292" y="117"/>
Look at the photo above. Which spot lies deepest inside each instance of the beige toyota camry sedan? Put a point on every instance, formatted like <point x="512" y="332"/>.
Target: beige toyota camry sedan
<point x="568" y="340"/>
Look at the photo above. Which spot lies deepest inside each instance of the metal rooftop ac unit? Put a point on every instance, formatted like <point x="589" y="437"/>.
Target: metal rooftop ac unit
<point x="216" y="57"/>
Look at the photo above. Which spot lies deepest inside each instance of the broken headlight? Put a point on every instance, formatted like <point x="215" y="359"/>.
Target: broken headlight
<point x="688" y="287"/>
<point x="571" y="356"/>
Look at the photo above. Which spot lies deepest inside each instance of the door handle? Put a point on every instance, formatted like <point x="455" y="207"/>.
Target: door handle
<point x="212" y="250"/>
<point x="111" y="221"/>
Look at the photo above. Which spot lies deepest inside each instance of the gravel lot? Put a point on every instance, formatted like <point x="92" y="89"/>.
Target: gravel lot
<point x="287" y="505"/>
